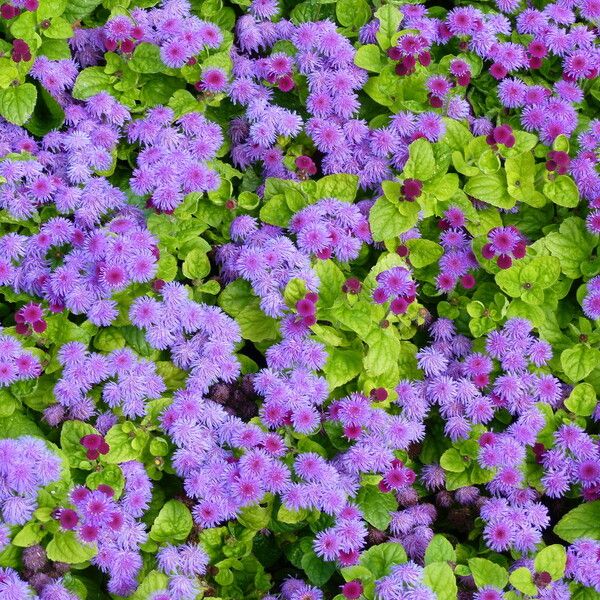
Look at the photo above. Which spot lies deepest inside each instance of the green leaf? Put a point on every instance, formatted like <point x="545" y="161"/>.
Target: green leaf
<point x="452" y="461"/>
<point x="582" y="400"/>
<point x="579" y="361"/>
<point x="439" y="550"/>
<point x="65" y="547"/>
<point x="173" y="523"/>
<point x="255" y="517"/>
<point x="91" y="81"/>
<point x="379" y="559"/>
<point x="439" y="577"/>
<point x="317" y="571"/>
<point x="485" y="572"/>
<point x="369" y="57"/>
<point x="29" y="535"/>
<point x="342" y="187"/>
<point x="490" y="188"/>
<point x="146" y="59"/>
<point x="376" y="506"/>
<point x="342" y="366"/>
<point x="17" y="102"/>
<point x="572" y="244"/>
<point x="352" y="13"/>
<point x="60" y="29"/>
<point x="390" y="219"/>
<point x="389" y="19"/>
<point x="521" y="579"/>
<point x="291" y="516"/>
<point x="384" y="349"/>
<point x="77" y="9"/>
<point x="423" y="252"/>
<point x="581" y="522"/>
<point x="153" y="582"/>
<point x="332" y="279"/>
<point x="421" y="161"/>
<point x="562" y="191"/>
<point x="553" y="560"/>
<point x="196" y="264"/>
<point x="121" y="445"/>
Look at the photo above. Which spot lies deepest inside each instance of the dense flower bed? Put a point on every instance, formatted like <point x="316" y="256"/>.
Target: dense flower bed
<point x="299" y="300"/>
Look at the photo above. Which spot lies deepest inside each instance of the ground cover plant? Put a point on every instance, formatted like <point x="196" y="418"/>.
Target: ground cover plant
<point x="299" y="300"/>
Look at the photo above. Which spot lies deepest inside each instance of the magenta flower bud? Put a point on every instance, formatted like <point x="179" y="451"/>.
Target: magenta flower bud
<point x="488" y="252"/>
<point x="504" y="261"/>
<point x="352" y="590"/>
<point x="305" y="307"/>
<point x="68" y="518"/>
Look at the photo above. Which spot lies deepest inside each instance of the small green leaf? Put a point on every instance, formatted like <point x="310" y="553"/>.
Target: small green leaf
<point x="581" y="522"/>
<point x="452" y="461"/>
<point x="582" y="400"/>
<point x="369" y="57"/>
<point x="91" y="81"/>
<point x="389" y="219"/>
<point x="342" y="366"/>
<point x="521" y="579"/>
<point x="562" y="191"/>
<point x="553" y="560"/>
<point x="342" y="187"/>
<point x="579" y="361"/>
<point x="389" y="19"/>
<point x="173" y="523"/>
<point x="439" y="577"/>
<point x="439" y="550"/>
<point x="423" y="252"/>
<point x="352" y="13"/>
<point x="485" y="572"/>
<point x="196" y="264"/>
<point x="17" y="102"/>
<point x="421" y="161"/>
<point x="146" y="59"/>
<point x="65" y="547"/>
<point x="376" y="506"/>
<point x="381" y="558"/>
<point x="490" y="188"/>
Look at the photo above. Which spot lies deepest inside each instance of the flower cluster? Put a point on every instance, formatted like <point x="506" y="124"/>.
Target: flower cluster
<point x="458" y="258"/>
<point x="591" y="302"/>
<point x="505" y="244"/>
<point x="64" y="160"/>
<point x="16" y="364"/>
<point x="183" y="564"/>
<point x="126" y="381"/>
<point x="404" y="581"/>
<point x="179" y="34"/>
<point x="113" y="525"/>
<point x="331" y="228"/>
<point x="582" y="562"/>
<point x="266" y="258"/>
<point x="573" y="460"/>
<point x="26" y="466"/>
<point x="173" y="156"/>
<point x="291" y="389"/>
<point x="201" y="338"/>
<point x="397" y="287"/>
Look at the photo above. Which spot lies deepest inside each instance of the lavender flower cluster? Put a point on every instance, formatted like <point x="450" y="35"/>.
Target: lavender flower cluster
<point x="127" y="383"/>
<point x="172" y="161"/>
<point x="266" y="258"/>
<point x="112" y="525"/>
<point x="16" y="364"/>
<point x="27" y="466"/>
